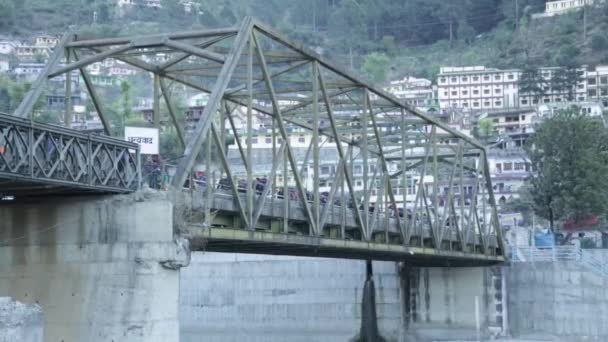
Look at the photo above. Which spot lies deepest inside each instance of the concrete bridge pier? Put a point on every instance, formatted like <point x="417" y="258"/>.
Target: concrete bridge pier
<point x="100" y="268"/>
<point x="369" y="319"/>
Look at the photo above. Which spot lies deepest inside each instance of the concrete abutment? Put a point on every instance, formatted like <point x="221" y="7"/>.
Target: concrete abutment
<point x="93" y="265"/>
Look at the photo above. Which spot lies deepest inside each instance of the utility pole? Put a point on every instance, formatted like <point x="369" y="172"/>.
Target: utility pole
<point x="352" y="62"/>
<point x="585" y="22"/>
<point x="516" y="15"/>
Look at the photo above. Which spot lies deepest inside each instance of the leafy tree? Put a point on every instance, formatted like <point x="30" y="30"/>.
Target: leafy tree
<point x="485" y="129"/>
<point x="376" y="66"/>
<point x="531" y="82"/>
<point x="567" y="55"/>
<point x="569" y="156"/>
<point x="565" y="80"/>
<point x="599" y="41"/>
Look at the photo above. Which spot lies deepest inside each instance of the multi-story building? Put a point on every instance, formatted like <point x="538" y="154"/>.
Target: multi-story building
<point x="477" y="87"/>
<point x="417" y="92"/>
<point x="597" y="84"/>
<point x="7" y="46"/>
<point x="4" y="63"/>
<point x="559" y="7"/>
<point x="46" y="41"/>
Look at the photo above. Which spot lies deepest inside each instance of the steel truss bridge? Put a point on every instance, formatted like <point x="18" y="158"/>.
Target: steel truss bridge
<point x="251" y="72"/>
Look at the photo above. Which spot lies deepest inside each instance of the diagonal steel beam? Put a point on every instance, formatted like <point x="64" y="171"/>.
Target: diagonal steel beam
<point x="202" y="127"/>
<point x="90" y="60"/>
<point x="194" y="50"/>
<point x="171" y="108"/>
<point x="283" y="130"/>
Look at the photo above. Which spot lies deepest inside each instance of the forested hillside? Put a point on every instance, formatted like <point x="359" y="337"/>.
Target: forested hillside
<point x="415" y="36"/>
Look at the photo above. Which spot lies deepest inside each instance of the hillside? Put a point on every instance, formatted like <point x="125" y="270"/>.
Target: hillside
<point x="416" y="36"/>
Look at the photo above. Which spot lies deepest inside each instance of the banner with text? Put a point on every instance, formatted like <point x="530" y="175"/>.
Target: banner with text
<point x="146" y="138"/>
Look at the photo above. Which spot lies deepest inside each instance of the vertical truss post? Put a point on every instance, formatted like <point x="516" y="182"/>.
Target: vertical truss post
<point x="202" y="127"/>
<point x="285" y="193"/>
<point x="156" y="102"/>
<point x="499" y="237"/>
<point x="365" y="155"/>
<point x="404" y="144"/>
<point x="435" y="227"/>
<point x="462" y="195"/>
<point x="249" y="190"/>
<point x="315" y="144"/>
<point x="68" y="92"/>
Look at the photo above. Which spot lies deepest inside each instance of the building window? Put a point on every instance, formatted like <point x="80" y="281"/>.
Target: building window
<point x="534" y="101"/>
<point x="475" y="78"/>
<point x="591" y="81"/>
<point x="497" y="77"/>
<point x="475" y="104"/>
<point x="510" y="76"/>
<point x="524" y="102"/>
<point x="465" y="79"/>
<point x="301" y="139"/>
<point x="358" y="169"/>
<point x="445" y="93"/>
<point x="498" y="103"/>
<point x="486" y="104"/>
<point x="358" y="183"/>
<point x="523" y="118"/>
<point x="324" y="170"/>
<point x="454" y="79"/>
<point x="592" y="92"/>
<point x="519" y="166"/>
<point x="546" y="100"/>
<point x="497" y="91"/>
<point x="604" y="92"/>
<point x="465" y="105"/>
<point x="475" y="92"/>
<point x="604" y="80"/>
<point x="454" y="93"/>
<point x="254" y="140"/>
<point x="486" y="78"/>
<point x="465" y="92"/>
<point x="486" y="91"/>
<point x="268" y="140"/>
<point x="508" y="166"/>
<point x="442" y="80"/>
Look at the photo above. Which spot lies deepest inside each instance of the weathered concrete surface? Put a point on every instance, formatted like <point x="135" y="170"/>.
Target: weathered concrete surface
<point x="561" y="298"/>
<point x="20" y="322"/>
<point x="93" y="265"/>
<point x="239" y="297"/>
<point x="449" y="303"/>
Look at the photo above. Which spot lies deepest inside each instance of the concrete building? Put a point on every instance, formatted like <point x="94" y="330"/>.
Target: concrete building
<point x="477" y="87"/>
<point x="7" y="46"/>
<point x="47" y="41"/>
<point x="28" y="52"/>
<point x="559" y="7"/>
<point x="417" y="92"/>
<point x="4" y="63"/>
<point x="480" y="88"/>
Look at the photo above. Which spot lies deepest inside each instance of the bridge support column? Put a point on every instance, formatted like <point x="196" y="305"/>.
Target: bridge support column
<point x="101" y="268"/>
<point x="369" y="319"/>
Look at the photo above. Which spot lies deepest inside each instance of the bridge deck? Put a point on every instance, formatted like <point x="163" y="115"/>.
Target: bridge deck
<point x="40" y="159"/>
<point x="226" y="233"/>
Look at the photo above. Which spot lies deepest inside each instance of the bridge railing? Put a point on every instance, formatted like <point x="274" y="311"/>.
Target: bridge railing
<point x="35" y="152"/>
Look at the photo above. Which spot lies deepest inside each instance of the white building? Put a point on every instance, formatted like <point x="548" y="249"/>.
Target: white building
<point x="46" y="41"/>
<point x="7" y="46"/>
<point x="4" y="63"/>
<point x="480" y="88"/>
<point x="417" y="92"/>
<point x="477" y="87"/>
<point x="564" y="6"/>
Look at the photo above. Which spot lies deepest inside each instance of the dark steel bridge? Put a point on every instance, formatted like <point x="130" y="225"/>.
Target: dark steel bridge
<point x="402" y="184"/>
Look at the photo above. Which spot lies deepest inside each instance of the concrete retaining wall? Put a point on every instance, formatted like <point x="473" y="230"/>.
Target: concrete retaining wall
<point x="92" y="264"/>
<point x="238" y="297"/>
<point x="20" y="322"/>
<point x="563" y="299"/>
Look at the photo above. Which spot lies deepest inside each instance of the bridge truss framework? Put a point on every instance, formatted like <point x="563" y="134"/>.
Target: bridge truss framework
<point x="255" y="70"/>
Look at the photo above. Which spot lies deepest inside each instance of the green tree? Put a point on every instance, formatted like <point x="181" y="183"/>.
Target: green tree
<point x="565" y="80"/>
<point x="485" y="129"/>
<point x="376" y="66"/>
<point x="531" y="82"/>
<point x="569" y="156"/>
<point x="599" y="41"/>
